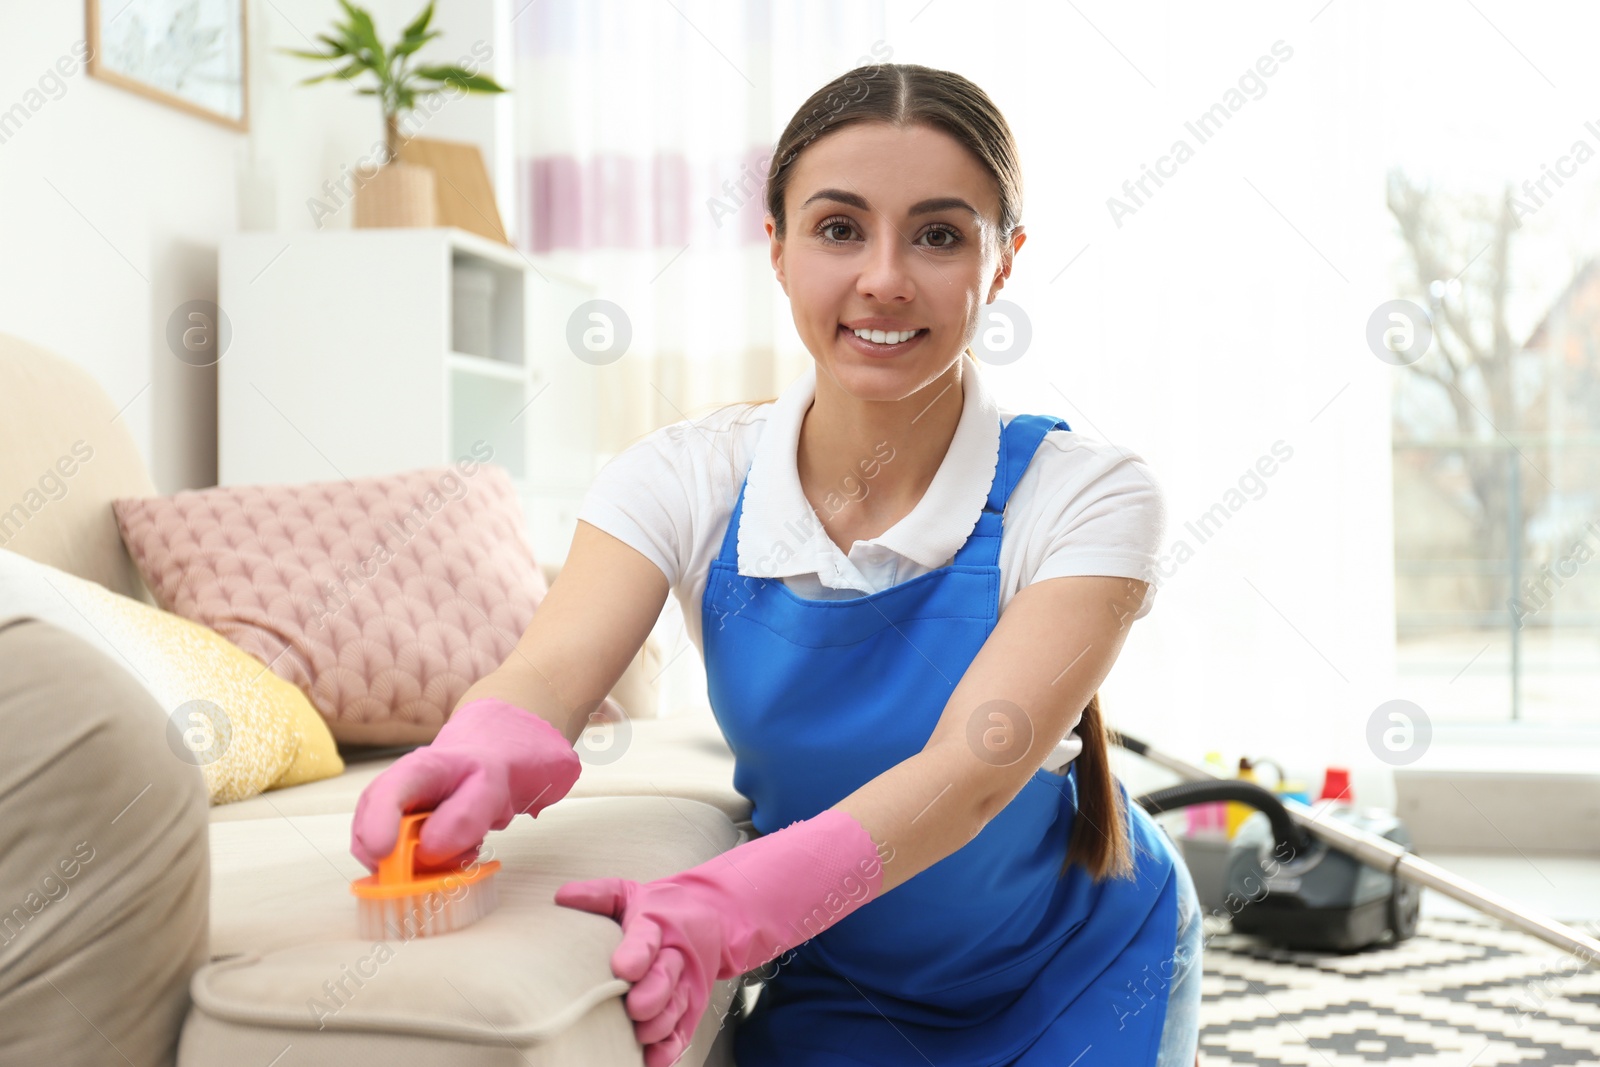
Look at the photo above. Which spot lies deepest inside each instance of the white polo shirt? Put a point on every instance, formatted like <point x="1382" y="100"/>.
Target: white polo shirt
<point x="1082" y="507"/>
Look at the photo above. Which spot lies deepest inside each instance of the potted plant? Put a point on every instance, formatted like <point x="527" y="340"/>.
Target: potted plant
<point x="399" y="194"/>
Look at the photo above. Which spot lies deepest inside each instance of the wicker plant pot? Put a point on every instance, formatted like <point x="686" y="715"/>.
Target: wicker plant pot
<point x="399" y="194"/>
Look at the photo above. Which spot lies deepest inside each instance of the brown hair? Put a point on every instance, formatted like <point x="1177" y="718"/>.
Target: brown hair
<point x="903" y="95"/>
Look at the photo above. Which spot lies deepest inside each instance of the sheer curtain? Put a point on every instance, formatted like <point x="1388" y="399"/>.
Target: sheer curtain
<point x="643" y="132"/>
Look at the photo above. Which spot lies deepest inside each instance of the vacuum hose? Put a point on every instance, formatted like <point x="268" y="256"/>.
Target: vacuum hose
<point x="1288" y="837"/>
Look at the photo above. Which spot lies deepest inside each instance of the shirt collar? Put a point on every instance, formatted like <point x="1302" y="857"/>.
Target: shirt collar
<point x="780" y="535"/>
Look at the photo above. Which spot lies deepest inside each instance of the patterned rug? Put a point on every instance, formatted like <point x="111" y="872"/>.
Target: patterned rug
<point x="1464" y="992"/>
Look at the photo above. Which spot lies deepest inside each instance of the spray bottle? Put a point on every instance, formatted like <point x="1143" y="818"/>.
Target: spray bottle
<point x="1335" y="790"/>
<point x="1209" y="820"/>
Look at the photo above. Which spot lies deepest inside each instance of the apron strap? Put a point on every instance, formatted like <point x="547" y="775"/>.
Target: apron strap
<point x="1019" y="440"/>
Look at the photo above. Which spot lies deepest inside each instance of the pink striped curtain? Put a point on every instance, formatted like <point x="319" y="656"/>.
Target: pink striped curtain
<point x="643" y="131"/>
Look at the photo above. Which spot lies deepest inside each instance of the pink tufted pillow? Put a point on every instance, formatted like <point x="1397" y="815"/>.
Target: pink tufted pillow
<point x="383" y="598"/>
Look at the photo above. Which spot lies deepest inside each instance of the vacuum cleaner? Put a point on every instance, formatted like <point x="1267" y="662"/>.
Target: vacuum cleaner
<point x="1332" y="879"/>
<point x="1292" y="889"/>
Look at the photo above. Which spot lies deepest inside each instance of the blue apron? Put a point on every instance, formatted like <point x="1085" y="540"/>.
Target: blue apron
<point x="989" y="956"/>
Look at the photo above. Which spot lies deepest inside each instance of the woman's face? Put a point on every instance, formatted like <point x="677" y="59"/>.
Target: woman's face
<point x="892" y="229"/>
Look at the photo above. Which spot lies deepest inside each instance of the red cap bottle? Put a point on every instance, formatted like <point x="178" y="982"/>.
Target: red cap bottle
<point x="1336" y="786"/>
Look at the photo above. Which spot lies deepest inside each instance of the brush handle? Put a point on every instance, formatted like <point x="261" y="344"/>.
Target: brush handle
<point x="400" y="866"/>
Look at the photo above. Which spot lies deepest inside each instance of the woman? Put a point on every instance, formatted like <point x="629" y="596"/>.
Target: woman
<point x="844" y="555"/>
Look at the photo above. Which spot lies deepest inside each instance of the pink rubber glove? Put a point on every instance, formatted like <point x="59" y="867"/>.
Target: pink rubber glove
<point x="488" y="762"/>
<point x="726" y="917"/>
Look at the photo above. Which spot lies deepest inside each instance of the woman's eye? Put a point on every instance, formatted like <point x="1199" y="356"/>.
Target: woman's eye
<point x="829" y="228"/>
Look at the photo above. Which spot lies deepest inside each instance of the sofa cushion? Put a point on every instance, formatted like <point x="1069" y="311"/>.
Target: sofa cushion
<point x="383" y="598"/>
<point x="103" y="859"/>
<point x="683" y="755"/>
<point x="245" y="728"/>
<point x="530" y="983"/>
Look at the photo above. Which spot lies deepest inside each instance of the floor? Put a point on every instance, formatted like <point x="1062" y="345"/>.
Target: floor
<point x="1464" y="992"/>
<point x="1566" y="888"/>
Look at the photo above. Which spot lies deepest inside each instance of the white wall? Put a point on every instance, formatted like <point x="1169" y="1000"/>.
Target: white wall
<point x="111" y="204"/>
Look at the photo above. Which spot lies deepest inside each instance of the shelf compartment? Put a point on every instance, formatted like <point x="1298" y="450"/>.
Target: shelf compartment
<point x="467" y="363"/>
<point x="486" y="306"/>
<point x="485" y="407"/>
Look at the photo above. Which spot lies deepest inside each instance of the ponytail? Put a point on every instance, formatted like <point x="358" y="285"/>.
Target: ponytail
<point x="1099" y="831"/>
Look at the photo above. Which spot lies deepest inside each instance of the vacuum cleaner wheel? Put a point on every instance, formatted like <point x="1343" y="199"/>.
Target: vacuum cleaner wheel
<point x="1405" y="902"/>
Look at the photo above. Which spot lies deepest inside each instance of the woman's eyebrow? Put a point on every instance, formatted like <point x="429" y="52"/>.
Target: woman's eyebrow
<point x="921" y="207"/>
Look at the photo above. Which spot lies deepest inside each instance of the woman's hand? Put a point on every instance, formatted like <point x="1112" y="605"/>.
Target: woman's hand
<point x="726" y="917"/>
<point x="672" y="948"/>
<point x="488" y="762"/>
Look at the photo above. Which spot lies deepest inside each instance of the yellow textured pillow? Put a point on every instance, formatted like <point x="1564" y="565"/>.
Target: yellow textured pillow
<point x="317" y="756"/>
<point x="247" y="729"/>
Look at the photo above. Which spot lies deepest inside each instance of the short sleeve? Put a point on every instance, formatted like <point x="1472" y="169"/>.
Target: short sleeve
<point x="641" y="497"/>
<point x="1112" y="524"/>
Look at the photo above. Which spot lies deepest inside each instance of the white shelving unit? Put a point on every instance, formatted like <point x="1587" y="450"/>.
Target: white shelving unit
<point x="342" y="363"/>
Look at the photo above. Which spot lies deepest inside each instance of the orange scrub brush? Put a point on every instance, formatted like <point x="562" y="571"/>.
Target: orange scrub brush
<point x="402" y="902"/>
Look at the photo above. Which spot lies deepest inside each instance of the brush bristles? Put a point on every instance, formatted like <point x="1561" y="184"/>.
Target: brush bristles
<point x="425" y="914"/>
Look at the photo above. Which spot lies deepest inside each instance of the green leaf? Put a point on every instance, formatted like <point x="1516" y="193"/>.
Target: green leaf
<point x="355" y="67"/>
<point x="366" y="34"/>
<point x="411" y="44"/>
<point x="349" y="37"/>
<point x="310" y="55"/>
<point x="351" y="43"/>
<point x="337" y="46"/>
<point x="420" y="23"/>
<point x="472" y="83"/>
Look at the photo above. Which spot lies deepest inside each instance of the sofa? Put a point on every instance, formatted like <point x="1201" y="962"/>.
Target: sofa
<point x="146" y="927"/>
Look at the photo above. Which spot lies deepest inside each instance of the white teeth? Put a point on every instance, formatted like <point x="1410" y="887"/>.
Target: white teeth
<point x="885" y="337"/>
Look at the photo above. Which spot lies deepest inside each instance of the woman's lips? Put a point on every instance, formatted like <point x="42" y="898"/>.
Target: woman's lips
<point x="878" y="351"/>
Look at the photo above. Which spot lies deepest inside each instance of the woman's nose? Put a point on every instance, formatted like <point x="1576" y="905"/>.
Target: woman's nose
<point x="886" y="269"/>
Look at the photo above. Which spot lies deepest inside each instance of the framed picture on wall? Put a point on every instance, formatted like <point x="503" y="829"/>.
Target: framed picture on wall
<point x="188" y="54"/>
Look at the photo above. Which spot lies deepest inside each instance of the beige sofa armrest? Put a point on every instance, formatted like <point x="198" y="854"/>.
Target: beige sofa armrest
<point x="105" y="868"/>
<point x="64" y="456"/>
<point x="638" y="691"/>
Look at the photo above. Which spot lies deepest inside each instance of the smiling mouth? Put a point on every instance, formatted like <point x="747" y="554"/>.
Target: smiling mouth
<point x="851" y="335"/>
